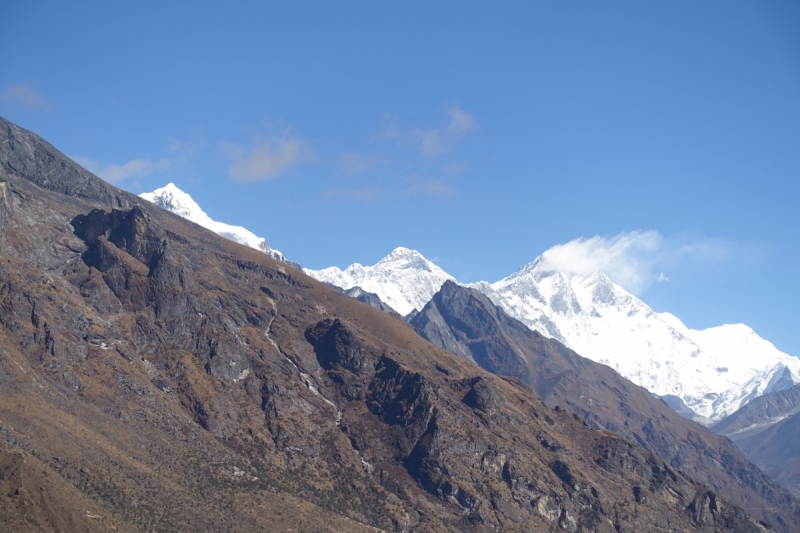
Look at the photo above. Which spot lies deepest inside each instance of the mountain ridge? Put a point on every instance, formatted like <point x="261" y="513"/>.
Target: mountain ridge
<point x="171" y="198"/>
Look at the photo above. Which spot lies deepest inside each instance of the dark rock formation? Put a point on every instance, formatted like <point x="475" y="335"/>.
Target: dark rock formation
<point x="369" y="298"/>
<point x="468" y="324"/>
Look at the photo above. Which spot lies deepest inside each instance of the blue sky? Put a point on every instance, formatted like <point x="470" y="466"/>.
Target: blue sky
<point x="478" y="133"/>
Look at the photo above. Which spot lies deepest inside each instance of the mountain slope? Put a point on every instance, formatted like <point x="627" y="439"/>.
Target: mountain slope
<point x="468" y="324"/>
<point x="775" y="450"/>
<point x="767" y="430"/>
<point x="178" y="381"/>
<point x="404" y="279"/>
<point x="176" y="201"/>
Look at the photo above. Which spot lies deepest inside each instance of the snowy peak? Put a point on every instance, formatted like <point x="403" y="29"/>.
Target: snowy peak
<point x="405" y="280"/>
<point x="713" y="371"/>
<point x="176" y="201"/>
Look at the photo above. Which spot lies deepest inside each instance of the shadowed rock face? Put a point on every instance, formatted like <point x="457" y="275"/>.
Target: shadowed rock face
<point x="767" y="430"/>
<point x="468" y="324"/>
<point x="369" y="298"/>
<point x="156" y="377"/>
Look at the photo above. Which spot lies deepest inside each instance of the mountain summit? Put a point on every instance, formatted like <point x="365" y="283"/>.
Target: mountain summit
<point x="404" y="279"/>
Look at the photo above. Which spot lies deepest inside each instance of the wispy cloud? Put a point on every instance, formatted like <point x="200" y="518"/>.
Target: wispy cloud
<point x="136" y="168"/>
<point x="368" y="195"/>
<point x="266" y="159"/>
<point x="633" y="259"/>
<point x="354" y="163"/>
<point x="26" y="96"/>
<point x="432" y="142"/>
<point x="428" y="186"/>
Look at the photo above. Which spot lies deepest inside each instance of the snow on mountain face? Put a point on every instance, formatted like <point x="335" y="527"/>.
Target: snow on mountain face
<point x="714" y="371"/>
<point x="404" y="279"/>
<point x="175" y="200"/>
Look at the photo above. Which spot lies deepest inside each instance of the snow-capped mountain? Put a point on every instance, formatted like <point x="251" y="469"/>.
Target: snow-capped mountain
<point x="714" y="371"/>
<point x="404" y="279"/>
<point x="175" y="200"/>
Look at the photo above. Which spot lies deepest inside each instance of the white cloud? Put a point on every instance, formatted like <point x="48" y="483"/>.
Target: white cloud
<point x="633" y="259"/>
<point x="428" y="186"/>
<point x="136" y="168"/>
<point x="266" y="159"/>
<point x="26" y="96"/>
<point x="369" y="195"/>
<point x="433" y="142"/>
<point x="353" y="163"/>
<point x="626" y="258"/>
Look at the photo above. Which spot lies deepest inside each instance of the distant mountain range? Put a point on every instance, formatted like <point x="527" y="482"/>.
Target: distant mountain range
<point x="466" y="322"/>
<point x="404" y="279"/>
<point x="711" y="376"/>
<point x="713" y="372"/>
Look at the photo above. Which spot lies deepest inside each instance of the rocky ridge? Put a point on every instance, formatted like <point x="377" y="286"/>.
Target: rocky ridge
<point x="176" y="201"/>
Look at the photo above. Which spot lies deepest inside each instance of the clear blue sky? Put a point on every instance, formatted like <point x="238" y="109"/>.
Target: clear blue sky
<point x="480" y="133"/>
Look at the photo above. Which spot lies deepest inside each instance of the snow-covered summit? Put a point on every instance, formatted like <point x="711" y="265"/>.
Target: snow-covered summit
<point x="175" y="200"/>
<point x="714" y="371"/>
<point x="404" y="279"/>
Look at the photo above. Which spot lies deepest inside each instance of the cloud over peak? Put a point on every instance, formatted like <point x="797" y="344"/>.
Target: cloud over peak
<point x="633" y="259"/>
<point x="626" y="258"/>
